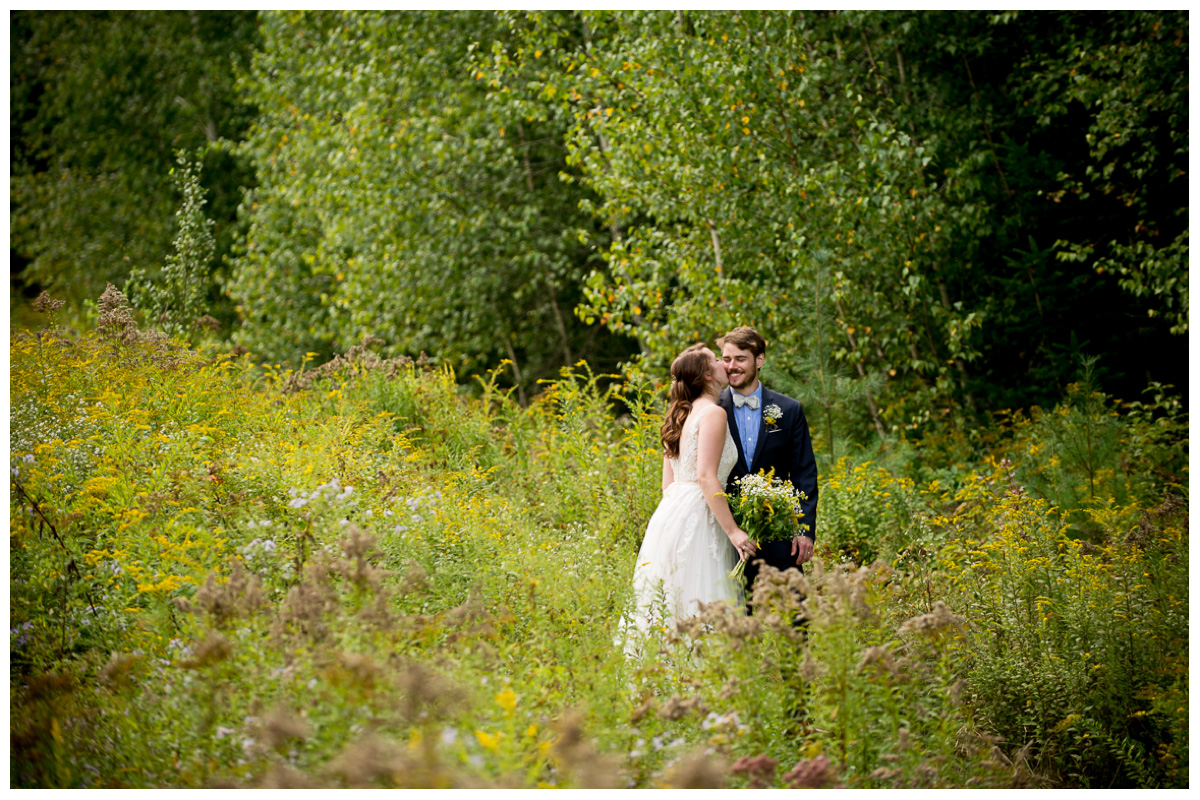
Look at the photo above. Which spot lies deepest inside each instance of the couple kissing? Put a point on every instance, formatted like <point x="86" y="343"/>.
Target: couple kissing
<point x="721" y="424"/>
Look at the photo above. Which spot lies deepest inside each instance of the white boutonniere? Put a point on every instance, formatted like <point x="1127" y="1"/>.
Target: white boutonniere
<point x="771" y="415"/>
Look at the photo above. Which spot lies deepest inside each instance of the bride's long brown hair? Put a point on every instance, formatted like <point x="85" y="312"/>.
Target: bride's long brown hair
<point x="689" y="379"/>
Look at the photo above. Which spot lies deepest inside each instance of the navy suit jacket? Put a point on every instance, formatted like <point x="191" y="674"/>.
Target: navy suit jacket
<point x="786" y="447"/>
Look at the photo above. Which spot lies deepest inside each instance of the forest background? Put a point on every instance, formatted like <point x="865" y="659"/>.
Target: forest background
<point x="965" y="236"/>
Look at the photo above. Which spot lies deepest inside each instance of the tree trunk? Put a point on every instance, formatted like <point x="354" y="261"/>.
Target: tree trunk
<point x="549" y="278"/>
<point x="559" y="323"/>
<point x="716" y="242"/>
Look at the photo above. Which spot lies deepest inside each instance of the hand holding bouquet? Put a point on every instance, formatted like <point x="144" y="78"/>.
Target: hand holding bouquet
<point x="766" y="508"/>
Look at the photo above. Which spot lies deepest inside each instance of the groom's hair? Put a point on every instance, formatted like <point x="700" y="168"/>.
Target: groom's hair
<point x="745" y="338"/>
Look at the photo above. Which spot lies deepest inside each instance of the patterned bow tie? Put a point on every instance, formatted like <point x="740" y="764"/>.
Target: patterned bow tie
<point x="740" y="400"/>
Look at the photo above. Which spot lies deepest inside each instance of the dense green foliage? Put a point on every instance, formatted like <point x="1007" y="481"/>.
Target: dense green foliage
<point x="100" y="102"/>
<point x="359" y="575"/>
<point x="930" y="215"/>
<point x="397" y="199"/>
<point x="883" y="193"/>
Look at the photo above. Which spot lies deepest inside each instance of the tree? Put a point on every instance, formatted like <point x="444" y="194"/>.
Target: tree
<point x="880" y="186"/>
<point x="100" y="101"/>
<point x="397" y="198"/>
<point x="741" y="164"/>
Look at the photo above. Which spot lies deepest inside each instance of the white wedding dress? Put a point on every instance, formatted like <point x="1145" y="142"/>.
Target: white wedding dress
<point x="685" y="557"/>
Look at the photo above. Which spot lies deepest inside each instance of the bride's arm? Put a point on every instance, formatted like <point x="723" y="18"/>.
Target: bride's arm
<point x="668" y="474"/>
<point x="712" y="442"/>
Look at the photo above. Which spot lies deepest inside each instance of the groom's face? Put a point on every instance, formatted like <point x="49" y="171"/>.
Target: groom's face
<point x="742" y="366"/>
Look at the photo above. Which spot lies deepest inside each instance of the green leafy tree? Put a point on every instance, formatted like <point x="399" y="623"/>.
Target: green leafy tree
<point x="880" y="186"/>
<point x="746" y="177"/>
<point x="100" y="101"/>
<point x="398" y="198"/>
<point x="1130" y="74"/>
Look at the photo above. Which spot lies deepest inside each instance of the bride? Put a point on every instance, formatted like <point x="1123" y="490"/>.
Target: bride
<point x="686" y="555"/>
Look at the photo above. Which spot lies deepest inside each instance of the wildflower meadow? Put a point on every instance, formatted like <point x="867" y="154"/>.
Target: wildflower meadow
<point x="364" y="573"/>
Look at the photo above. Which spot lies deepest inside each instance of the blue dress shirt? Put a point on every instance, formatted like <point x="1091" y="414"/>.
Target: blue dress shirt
<point x="749" y="424"/>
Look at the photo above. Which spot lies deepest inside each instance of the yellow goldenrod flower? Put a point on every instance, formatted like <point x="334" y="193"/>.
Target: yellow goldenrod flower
<point x="507" y="700"/>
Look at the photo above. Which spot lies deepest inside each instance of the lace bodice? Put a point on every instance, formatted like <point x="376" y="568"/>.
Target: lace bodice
<point x="686" y="466"/>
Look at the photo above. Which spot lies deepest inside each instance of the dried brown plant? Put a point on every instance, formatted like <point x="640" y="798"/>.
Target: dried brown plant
<point x="47" y="305"/>
<point x="117" y="672"/>
<point x="926" y="776"/>
<point x="213" y="650"/>
<point x="309" y="602"/>
<point x="700" y="770"/>
<point x="226" y="601"/>
<point x="359" y="546"/>
<point x="578" y="758"/>
<point x="760" y="770"/>
<point x="279" y="727"/>
<point x="360" y="668"/>
<point x="810" y="669"/>
<point x="778" y="600"/>
<point x="881" y="657"/>
<point x="371" y="761"/>
<point x="425" y="693"/>
<point x="644" y="708"/>
<point x="207" y="323"/>
<point x="678" y="708"/>
<point x="378" y="613"/>
<point x="358" y="360"/>
<point x="282" y="776"/>
<point x="416" y="579"/>
<point x="368" y="761"/>
<point x="812" y="773"/>
<point x="471" y="620"/>
<point x="939" y="619"/>
<point x="116" y="317"/>
<point x="886" y="774"/>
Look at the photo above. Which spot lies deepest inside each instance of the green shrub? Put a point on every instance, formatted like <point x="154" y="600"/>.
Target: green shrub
<point x="1075" y="650"/>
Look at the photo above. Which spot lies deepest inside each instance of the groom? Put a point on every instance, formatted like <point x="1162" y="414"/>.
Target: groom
<point x="782" y="443"/>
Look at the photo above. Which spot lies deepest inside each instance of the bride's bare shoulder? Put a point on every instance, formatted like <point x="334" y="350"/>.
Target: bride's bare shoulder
<point x="707" y="417"/>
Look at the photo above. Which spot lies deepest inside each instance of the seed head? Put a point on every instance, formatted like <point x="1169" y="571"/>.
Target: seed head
<point x="700" y="770"/>
<point x="226" y="601"/>
<point x="759" y="769"/>
<point x="280" y="726"/>
<point x="46" y="305"/>
<point x="940" y="619"/>
<point x="678" y="708"/>
<point x="213" y="650"/>
<point x="812" y="773"/>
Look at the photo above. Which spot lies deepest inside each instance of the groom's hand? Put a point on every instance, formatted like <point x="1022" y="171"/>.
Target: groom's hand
<point x="802" y="548"/>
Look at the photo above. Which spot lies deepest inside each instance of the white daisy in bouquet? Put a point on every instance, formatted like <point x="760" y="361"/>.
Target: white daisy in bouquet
<point x="767" y="509"/>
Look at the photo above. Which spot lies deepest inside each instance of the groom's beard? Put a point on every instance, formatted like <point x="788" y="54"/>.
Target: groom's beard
<point x="743" y="380"/>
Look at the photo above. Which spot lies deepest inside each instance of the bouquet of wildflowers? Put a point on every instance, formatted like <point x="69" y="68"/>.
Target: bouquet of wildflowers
<point x="766" y="508"/>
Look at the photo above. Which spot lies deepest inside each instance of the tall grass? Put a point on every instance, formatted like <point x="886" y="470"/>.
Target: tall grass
<point x="226" y="574"/>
